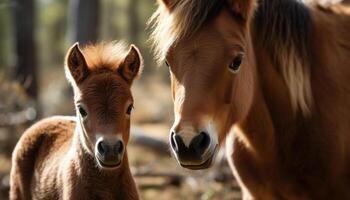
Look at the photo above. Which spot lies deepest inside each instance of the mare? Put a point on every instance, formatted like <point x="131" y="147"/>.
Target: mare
<point x="83" y="157"/>
<point x="268" y="78"/>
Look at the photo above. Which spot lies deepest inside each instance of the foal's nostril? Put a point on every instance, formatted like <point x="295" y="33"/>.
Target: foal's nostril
<point x="200" y="143"/>
<point x="102" y="148"/>
<point x="119" y="147"/>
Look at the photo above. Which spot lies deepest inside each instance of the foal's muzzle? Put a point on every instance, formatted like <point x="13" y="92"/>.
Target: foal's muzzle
<point x="198" y="154"/>
<point x="109" y="154"/>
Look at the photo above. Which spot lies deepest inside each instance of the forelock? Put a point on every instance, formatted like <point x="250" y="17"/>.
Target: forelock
<point x="184" y="19"/>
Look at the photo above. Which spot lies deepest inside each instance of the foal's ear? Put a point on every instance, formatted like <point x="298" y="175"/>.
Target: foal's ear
<point x="76" y="65"/>
<point x="132" y="64"/>
<point x="242" y="8"/>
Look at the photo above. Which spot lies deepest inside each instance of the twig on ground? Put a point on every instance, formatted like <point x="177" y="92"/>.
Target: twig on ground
<point x="17" y="118"/>
<point x="159" y="146"/>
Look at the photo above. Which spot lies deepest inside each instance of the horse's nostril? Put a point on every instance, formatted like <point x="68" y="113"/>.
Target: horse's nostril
<point x="119" y="147"/>
<point x="173" y="142"/>
<point x="201" y="142"/>
<point x="204" y="140"/>
<point x="102" y="148"/>
<point x="176" y="142"/>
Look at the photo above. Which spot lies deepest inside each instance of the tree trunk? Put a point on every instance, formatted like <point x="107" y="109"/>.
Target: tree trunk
<point x="134" y="30"/>
<point x="84" y="21"/>
<point x="133" y="21"/>
<point x="25" y="48"/>
<point x="4" y="37"/>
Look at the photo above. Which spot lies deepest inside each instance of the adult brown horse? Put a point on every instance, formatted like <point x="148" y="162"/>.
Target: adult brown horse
<point x="272" y="77"/>
<point x="83" y="157"/>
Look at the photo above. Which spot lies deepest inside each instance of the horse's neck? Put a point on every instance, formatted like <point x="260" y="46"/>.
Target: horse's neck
<point x="271" y="122"/>
<point x="256" y="131"/>
<point x="282" y="138"/>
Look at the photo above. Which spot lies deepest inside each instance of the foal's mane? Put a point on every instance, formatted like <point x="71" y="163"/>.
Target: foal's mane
<point x="105" y="56"/>
<point x="284" y="26"/>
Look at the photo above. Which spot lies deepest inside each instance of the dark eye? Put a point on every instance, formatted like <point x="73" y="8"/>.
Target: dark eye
<point x="236" y="63"/>
<point x="128" y="111"/>
<point x="167" y="64"/>
<point x="82" y="112"/>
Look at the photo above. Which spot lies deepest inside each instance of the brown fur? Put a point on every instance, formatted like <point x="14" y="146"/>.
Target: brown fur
<point x="286" y="122"/>
<point x="54" y="159"/>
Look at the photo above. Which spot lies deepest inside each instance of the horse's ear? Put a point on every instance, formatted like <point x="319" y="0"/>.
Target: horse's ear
<point x="76" y="65"/>
<point x="167" y="3"/>
<point x="242" y="8"/>
<point x="131" y="65"/>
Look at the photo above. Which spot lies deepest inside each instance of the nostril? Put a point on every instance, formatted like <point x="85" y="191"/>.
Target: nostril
<point x="173" y="142"/>
<point x="204" y="140"/>
<point x="119" y="147"/>
<point x="201" y="142"/>
<point x="102" y="148"/>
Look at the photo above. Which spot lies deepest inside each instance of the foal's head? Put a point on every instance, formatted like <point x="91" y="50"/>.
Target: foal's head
<point x="207" y="47"/>
<point x="101" y="77"/>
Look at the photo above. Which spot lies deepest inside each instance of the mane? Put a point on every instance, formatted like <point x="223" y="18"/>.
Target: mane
<point x="285" y="30"/>
<point x="105" y="56"/>
<point x="185" y="18"/>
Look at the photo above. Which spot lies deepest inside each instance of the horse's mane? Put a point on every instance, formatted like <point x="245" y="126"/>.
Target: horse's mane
<point x="285" y="28"/>
<point x="105" y="55"/>
<point x="185" y="18"/>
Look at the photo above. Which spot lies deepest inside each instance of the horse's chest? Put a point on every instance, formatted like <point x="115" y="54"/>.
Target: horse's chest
<point x="261" y="179"/>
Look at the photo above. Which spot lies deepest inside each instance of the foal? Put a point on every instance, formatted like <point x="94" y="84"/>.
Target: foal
<point x="83" y="157"/>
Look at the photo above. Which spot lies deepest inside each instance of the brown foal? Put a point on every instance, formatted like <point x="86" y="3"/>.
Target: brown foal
<point x="83" y="157"/>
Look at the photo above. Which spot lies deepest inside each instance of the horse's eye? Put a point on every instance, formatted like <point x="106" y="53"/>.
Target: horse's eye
<point x="167" y="64"/>
<point x="236" y="64"/>
<point x="128" y="111"/>
<point x="82" y="112"/>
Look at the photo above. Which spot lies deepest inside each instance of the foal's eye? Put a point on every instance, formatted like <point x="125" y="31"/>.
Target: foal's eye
<point x="82" y="112"/>
<point x="128" y="111"/>
<point x="236" y="63"/>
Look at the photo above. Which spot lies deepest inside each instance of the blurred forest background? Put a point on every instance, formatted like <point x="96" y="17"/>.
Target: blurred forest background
<point x="34" y="38"/>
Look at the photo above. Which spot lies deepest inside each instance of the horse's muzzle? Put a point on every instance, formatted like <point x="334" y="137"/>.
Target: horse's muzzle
<point x="199" y="154"/>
